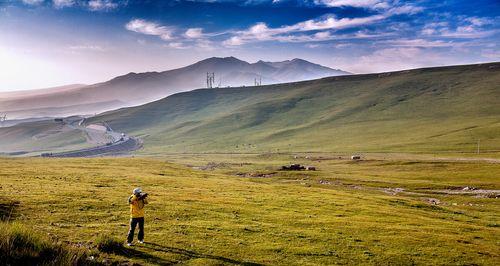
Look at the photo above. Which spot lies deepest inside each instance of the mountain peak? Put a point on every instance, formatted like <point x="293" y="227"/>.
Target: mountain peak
<point x="222" y="59"/>
<point x="213" y="63"/>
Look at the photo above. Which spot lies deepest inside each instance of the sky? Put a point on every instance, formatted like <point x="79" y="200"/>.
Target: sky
<point x="46" y="43"/>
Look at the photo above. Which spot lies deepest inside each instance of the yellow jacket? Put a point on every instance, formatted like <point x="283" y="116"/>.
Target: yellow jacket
<point x="137" y="206"/>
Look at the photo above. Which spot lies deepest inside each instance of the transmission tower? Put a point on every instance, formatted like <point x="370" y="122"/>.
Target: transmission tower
<point x="258" y="82"/>
<point x="210" y="80"/>
<point x="3" y="119"/>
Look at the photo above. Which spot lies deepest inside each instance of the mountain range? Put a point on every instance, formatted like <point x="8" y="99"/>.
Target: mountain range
<point x="139" y="88"/>
<point x="420" y="110"/>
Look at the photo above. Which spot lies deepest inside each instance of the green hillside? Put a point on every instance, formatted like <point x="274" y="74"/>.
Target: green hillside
<point x="433" y="109"/>
<point x="40" y="136"/>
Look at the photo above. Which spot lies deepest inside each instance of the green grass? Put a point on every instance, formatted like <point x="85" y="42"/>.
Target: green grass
<point x="423" y="110"/>
<point x="20" y="245"/>
<point x="40" y="136"/>
<point x="204" y="217"/>
<point x="109" y="244"/>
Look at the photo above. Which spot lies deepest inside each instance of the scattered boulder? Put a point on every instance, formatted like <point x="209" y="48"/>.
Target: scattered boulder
<point x="356" y="157"/>
<point x="393" y="191"/>
<point x="433" y="201"/>
<point x="293" y="167"/>
<point x="297" y="167"/>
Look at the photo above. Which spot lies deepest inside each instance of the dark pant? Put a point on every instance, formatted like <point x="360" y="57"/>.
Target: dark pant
<point x="133" y="224"/>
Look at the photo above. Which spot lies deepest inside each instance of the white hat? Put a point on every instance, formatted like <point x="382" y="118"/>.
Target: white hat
<point x="137" y="190"/>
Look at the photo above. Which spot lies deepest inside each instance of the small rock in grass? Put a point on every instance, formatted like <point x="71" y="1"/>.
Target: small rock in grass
<point x="433" y="201"/>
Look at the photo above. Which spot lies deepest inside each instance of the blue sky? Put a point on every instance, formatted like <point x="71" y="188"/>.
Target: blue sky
<point x="47" y="43"/>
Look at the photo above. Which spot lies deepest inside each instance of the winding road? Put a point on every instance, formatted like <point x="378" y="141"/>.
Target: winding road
<point x="110" y="143"/>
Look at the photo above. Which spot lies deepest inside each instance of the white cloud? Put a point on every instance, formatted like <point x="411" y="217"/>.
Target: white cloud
<point x="353" y="3"/>
<point x="391" y="59"/>
<point x="261" y="32"/>
<point x="191" y="38"/>
<point x="404" y="9"/>
<point x="32" y="2"/>
<point x="177" y="45"/>
<point x="95" y="48"/>
<point x="63" y="3"/>
<point x="478" y="22"/>
<point x="102" y="5"/>
<point x="469" y="28"/>
<point x="194" y="33"/>
<point x="466" y="33"/>
<point x="390" y="6"/>
<point x="150" y="28"/>
<point x="418" y="43"/>
<point x="205" y="45"/>
<point x="234" y="41"/>
<point x="330" y="22"/>
<point x="312" y="45"/>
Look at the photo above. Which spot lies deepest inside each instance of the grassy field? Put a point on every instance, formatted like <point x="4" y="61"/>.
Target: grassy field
<point x="211" y="209"/>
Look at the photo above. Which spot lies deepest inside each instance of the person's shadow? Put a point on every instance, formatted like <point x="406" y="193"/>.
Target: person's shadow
<point x="193" y="254"/>
<point x="134" y="253"/>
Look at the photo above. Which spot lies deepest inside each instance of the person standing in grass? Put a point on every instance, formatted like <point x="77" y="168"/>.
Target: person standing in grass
<point x="137" y="202"/>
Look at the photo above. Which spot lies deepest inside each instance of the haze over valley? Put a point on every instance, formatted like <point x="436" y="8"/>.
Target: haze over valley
<point x="139" y="88"/>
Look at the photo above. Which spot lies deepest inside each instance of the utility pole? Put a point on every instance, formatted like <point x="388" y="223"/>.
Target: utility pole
<point x="478" y="144"/>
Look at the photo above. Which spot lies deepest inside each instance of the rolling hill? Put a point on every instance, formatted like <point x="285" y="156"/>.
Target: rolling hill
<point x="431" y="109"/>
<point x="421" y="110"/>
<point x="139" y="88"/>
<point x="39" y="136"/>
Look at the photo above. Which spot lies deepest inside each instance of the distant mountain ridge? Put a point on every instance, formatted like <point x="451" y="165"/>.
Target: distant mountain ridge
<point x="439" y="109"/>
<point x="230" y="71"/>
<point x="139" y="88"/>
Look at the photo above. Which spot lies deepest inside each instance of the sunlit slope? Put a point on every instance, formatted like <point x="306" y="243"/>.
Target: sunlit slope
<point x="434" y="109"/>
<point x="45" y="135"/>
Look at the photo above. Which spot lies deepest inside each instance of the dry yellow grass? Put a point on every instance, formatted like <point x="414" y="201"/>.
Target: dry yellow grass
<point x="201" y="217"/>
